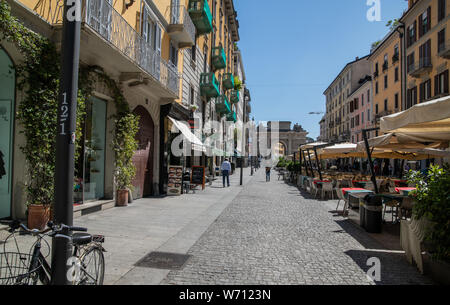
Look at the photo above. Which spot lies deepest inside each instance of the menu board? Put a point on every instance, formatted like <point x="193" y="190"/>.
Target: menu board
<point x="198" y="176"/>
<point x="175" y="181"/>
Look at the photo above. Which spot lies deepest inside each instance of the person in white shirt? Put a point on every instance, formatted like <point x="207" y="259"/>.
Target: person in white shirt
<point x="226" y="169"/>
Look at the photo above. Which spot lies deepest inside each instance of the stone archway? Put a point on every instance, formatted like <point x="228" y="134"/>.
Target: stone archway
<point x="143" y="157"/>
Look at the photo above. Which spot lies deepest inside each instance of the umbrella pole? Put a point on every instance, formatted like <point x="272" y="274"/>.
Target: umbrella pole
<point x="317" y="163"/>
<point x="369" y="155"/>
<point x="300" y="159"/>
<point x="401" y="169"/>
<point x="310" y="163"/>
<point x="306" y="164"/>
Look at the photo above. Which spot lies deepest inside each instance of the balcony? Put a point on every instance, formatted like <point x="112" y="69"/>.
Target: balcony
<point x="209" y="85"/>
<point x="181" y="29"/>
<point x="234" y="96"/>
<point x="231" y="117"/>
<point x="222" y="105"/>
<point x="219" y="59"/>
<point x="418" y="69"/>
<point x="382" y="114"/>
<point x="228" y="81"/>
<point x="109" y="41"/>
<point x="385" y="66"/>
<point x="444" y="50"/>
<point x="395" y="58"/>
<point x="375" y="74"/>
<point x="201" y="16"/>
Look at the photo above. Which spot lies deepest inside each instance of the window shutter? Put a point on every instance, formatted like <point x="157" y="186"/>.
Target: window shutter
<point x="446" y="81"/>
<point x="144" y="24"/>
<point x="420" y="25"/>
<point x="429" y="18"/>
<point x="415" y="31"/>
<point x="158" y="39"/>
<point x="436" y="85"/>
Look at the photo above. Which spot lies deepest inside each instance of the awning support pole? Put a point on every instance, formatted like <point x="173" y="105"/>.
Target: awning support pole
<point x="310" y="163"/>
<point x="318" y="164"/>
<point x="306" y="163"/>
<point x="300" y="159"/>
<point x="369" y="156"/>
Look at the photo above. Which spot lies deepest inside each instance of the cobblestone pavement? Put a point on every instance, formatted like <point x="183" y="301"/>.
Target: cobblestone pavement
<point x="273" y="234"/>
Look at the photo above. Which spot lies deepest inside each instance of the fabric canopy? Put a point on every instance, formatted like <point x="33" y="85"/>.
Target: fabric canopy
<point x="399" y="141"/>
<point x="337" y="151"/>
<point x="425" y="122"/>
<point x="312" y="145"/>
<point x="185" y="130"/>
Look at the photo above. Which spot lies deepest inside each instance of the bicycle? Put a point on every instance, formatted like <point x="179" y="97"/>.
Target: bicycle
<point x="87" y="262"/>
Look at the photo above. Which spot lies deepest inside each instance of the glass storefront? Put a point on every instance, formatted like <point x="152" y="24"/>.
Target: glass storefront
<point x="90" y="168"/>
<point x="7" y="88"/>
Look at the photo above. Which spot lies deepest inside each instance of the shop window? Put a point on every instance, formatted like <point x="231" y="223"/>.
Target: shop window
<point x="90" y="168"/>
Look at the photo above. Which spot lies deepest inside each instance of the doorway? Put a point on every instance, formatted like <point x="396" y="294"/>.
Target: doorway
<point x="7" y="93"/>
<point x="143" y="157"/>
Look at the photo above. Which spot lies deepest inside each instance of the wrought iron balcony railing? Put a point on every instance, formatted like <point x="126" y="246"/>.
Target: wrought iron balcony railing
<point x="395" y="58"/>
<point x="232" y="117"/>
<point x="228" y="81"/>
<point x="101" y="17"/>
<point x="219" y="59"/>
<point x="181" y="28"/>
<point x="234" y="96"/>
<point x="209" y="85"/>
<point x="201" y="16"/>
<point x="222" y="105"/>
<point x="444" y="49"/>
<point x="417" y="69"/>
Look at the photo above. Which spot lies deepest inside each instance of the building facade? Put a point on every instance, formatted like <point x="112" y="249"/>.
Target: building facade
<point x="337" y="95"/>
<point x="427" y="47"/>
<point x="145" y="49"/>
<point x="361" y="109"/>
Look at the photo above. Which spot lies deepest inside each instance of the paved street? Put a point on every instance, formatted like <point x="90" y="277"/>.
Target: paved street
<point x="271" y="234"/>
<point x="261" y="233"/>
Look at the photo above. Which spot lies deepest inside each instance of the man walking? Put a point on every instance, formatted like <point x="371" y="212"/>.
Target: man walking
<point x="268" y="173"/>
<point x="226" y="169"/>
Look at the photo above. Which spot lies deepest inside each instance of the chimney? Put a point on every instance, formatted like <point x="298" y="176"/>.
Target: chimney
<point x="357" y="57"/>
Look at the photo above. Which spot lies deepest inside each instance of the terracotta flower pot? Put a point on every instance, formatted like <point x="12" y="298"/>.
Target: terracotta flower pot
<point x="38" y="216"/>
<point x="122" y="198"/>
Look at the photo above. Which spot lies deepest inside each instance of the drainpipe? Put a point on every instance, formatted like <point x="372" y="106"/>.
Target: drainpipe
<point x="403" y="62"/>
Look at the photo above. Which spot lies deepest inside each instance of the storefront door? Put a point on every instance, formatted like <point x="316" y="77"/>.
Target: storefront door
<point x="7" y="88"/>
<point x="143" y="157"/>
<point x="90" y="168"/>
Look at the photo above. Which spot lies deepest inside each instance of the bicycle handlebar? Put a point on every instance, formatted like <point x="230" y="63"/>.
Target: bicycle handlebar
<point x="15" y="224"/>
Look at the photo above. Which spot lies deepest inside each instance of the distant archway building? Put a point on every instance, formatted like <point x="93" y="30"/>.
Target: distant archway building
<point x="288" y="140"/>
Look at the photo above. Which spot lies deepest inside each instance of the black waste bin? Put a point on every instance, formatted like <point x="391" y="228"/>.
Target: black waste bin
<point x="362" y="213"/>
<point x="373" y="206"/>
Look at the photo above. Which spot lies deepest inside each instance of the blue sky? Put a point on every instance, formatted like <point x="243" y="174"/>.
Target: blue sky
<point x="293" y="49"/>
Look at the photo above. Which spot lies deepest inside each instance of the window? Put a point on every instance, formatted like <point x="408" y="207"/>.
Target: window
<point x="192" y="95"/>
<point x="376" y="109"/>
<point x="173" y="55"/>
<point x="425" y="54"/>
<point x="385" y="62"/>
<point x="362" y="100"/>
<point x="376" y="88"/>
<point x="385" y="105"/>
<point x="194" y="52"/>
<point x="357" y="120"/>
<point x="362" y="117"/>
<point x="368" y="96"/>
<point x="396" y="101"/>
<point x="441" y="10"/>
<point x="356" y="103"/>
<point x="441" y="41"/>
<point x="424" y="22"/>
<point x="368" y="115"/>
<point x="396" y="54"/>
<point x="410" y="62"/>
<point x="411" y="97"/>
<point x="396" y="74"/>
<point x="441" y="83"/>
<point x="425" y="91"/>
<point x="385" y="82"/>
<point x="411" y="34"/>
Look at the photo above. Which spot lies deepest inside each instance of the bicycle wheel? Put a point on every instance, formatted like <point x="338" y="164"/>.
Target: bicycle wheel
<point x="92" y="267"/>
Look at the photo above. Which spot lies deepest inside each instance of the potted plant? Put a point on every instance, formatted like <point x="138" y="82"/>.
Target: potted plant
<point x="193" y="108"/>
<point x="125" y="145"/>
<point x="431" y="204"/>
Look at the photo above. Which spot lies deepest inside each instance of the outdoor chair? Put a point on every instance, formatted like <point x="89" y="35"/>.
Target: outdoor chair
<point x="393" y="204"/>
<point x="369" y="186"/>
<point x="341" y="197"/>
<point x="314" y="190"/>
<point x="327" y="187"/>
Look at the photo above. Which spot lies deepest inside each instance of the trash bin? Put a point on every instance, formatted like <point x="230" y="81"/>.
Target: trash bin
<point x="362" y="213"/>
<point x="373" y="206"/>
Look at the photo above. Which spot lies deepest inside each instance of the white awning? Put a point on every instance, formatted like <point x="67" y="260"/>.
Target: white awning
<point x="312" y="145"/>
<point x="425" y="122"/>
<point x="186" y="131"/>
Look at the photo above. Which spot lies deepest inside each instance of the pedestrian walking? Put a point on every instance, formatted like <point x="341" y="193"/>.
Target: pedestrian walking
<point x="268" y="174"/>
<point x="226" y="169"/>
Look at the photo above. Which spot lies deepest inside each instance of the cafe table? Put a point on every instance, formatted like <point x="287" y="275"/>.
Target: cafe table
<point x="404" y="190"/>
<point x="354" y="190"/>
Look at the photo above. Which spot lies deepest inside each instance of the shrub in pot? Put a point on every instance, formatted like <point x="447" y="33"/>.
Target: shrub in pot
<point x="125" y="145"/>
<point x="432" y="202"/>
